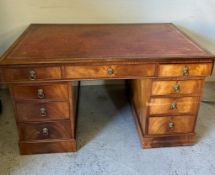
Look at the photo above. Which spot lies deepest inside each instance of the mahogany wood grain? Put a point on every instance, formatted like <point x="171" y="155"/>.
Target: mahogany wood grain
<point x="26" y="111"/>
<point x="23" y="74"/>
<point x="134" y="71"/>
<point x="74" y="105"/>
<point x="174" y="70"/>
<point x="183" y="105"/>
<point x="181" y="124"/>
<point x="139" y="96"/>
<point x="60" y="131"/>
<point x="157" y="141"/>
<point x="73" y="89"/>
<point x="117" y="71"/>
<point x="156" y="131"/>
<point x="55" y="92"/>
<point x="85" y="72"/>
<point x="185" y="87"/>
<point x="47" y="146"/>
<point x="56" y="130"/>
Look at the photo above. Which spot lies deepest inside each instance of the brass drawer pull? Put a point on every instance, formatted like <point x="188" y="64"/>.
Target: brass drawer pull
<point x="32" y="75"/>
<point x="176" y="88"/>
<point x="173" y="106"/>
<point x="45" y="131"/>
<point x="110" y="71"/>
<point x="171" y="125"/>
<point x="43" y="112"/>
<point x="40" y="93"/>
<point x="185" y="71"/>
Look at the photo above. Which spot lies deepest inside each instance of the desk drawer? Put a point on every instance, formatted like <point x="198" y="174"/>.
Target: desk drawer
<point x="173" y="105"/>
<point x="41" y="131"/>
<point x="42" y="111"/>
<point x="112" y="71"/>
<point x="184" y="70"/>
<point x="171" y="125"/>
<point x="161" y="87"/>
<point x="32" y="92"/>
<point x="31" y="74"/>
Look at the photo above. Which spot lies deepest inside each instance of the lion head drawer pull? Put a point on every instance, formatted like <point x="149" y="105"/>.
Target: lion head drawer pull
<point x="43" y="112"/>
<point x="110" y="71"/>
<point x="173" y="106"/>
<point x="32" y="75"/>
<point x="45" y="132"/>
<point x="171" y="125"/>
<point x="176" y="88"/>
<point x="40" y="93"/>
<point x="185" y="71"/>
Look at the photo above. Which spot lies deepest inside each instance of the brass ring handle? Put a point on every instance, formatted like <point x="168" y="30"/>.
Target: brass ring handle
<point x="45" y="131"/>
<point x="32" y="75"/>
<point x="110" y="71"/>
<point x="185" y="71"/>
<point x="173" y="106"/>
<point x="176" y="88"/>
<point x="43" y="112"/>
<point x="171" y="124"/>
<point x="40" y="93"/>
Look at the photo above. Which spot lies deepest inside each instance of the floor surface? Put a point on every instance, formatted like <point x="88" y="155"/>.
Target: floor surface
<point x="108" y="142"/>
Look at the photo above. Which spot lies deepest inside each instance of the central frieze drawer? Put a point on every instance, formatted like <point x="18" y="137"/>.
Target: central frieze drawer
<point x="42" y="111"/>
<point x="185" y="70"/>
<point x="49" y="130"/>
<point x="171" y="125"/>
<point x="162" y="87"/>
<point x="112" y="71"/>
<point x="31" y="73"/>
<point x="173" y="105"/>
<point x="32" y="92"/>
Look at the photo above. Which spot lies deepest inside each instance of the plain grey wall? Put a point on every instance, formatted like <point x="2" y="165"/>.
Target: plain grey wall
<point x="195" y="17"/>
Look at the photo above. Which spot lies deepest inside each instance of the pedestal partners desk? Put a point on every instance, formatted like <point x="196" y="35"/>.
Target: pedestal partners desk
<point x="165" y="70"/>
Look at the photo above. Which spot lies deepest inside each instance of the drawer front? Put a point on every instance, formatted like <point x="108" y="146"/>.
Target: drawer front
<point x="133" y="70"/>
<point x="171" y="125"/>
<point x="176" y="87"/>
<point x="114" y="71"/>
<point x="31" y="74"/>
<point x="173" y="106"/>
<point x="41" y="131"/>
<point x="185" y="70"/>
<point x="85" y="72"/>
<point x="42" y="111"/>
<point x="50" y="92"/>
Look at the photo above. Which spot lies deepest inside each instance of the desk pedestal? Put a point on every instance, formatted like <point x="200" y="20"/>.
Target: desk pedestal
<point x="46" y="116"/>
<point x="165" y="111"/>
